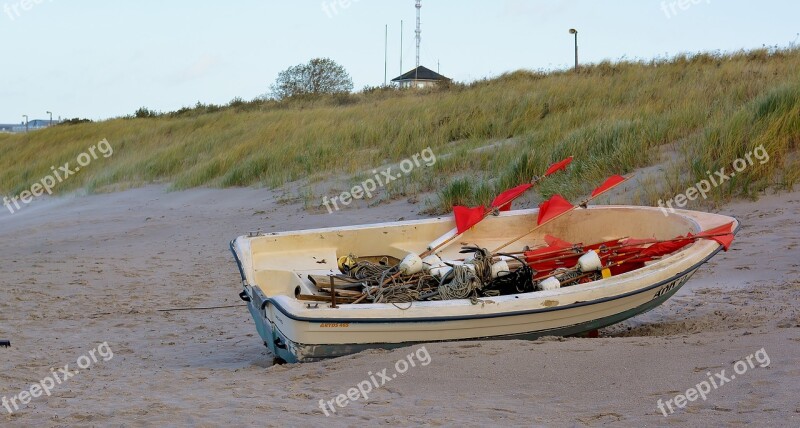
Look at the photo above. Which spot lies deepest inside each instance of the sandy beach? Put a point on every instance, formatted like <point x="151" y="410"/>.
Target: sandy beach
<point x="78" y="272"/>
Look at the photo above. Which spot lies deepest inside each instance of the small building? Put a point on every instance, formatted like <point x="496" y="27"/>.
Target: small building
<point x="40" y="123"/>
<point x="33" y="125"/>
<point x="420" y="77"/>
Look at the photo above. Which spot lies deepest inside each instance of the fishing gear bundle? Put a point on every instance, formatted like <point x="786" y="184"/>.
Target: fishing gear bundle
<point x="483" y="273"/>
<point x="518" y="281"/>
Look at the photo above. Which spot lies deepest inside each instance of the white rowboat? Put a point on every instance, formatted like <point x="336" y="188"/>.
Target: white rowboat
<point x="275" y="269"/>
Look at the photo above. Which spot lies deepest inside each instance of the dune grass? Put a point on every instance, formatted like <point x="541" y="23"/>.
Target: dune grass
<point x="610" y="116"/>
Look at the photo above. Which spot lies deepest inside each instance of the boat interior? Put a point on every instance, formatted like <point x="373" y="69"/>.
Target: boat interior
<point x="294" y="263"/>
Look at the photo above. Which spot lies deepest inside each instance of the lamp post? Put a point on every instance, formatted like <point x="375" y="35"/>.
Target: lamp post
<point x="575" y="32"/>
<point x="26" y="122"/>
<point x="51" y="118"/>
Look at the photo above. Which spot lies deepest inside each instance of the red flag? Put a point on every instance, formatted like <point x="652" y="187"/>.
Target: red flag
<point x="625" y="252"/>
<point x="552" y="208"/>
<point x="552" y="241"/>
<point x="664" y="248"/>
<point x="544" y="268"/>
<point x="724" y="239"/>
<point x="625" y="267"/>
<point x="610" y="183"/>
<point x="558" y="166"/>
<point x="547" y="253"/>
<point x="503" y="200"/>
<point x="554" y="246"/>
<point x="599" y="247"/>
<point x="635" y="242"/>
<point x="468" y="217"/>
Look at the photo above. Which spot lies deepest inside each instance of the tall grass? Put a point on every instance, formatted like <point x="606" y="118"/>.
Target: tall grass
<point x="609" y="116"/>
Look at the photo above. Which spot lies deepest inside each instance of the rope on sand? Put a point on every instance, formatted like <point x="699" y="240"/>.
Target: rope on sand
<point x="208" y="308"/>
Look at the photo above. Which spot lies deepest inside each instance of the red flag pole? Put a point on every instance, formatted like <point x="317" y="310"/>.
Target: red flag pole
<point x="558" y="166"/>
<point x="552" y="169"/>
<point x="582" y="204"/>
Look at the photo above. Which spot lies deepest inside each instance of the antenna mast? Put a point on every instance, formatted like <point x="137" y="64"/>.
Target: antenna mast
<point x="419" y="28"/>
<point x="386" y="55"/>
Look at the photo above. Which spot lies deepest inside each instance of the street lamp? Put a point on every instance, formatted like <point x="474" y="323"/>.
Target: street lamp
<point x="575" y="32"/>
<point x="26" y="122"/>
<point x="51" y="118"/>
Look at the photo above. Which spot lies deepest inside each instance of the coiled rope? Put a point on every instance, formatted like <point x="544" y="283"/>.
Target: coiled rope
<point x="371" y="272"/>
<point x="466" y="281"/>
<point x="463" y="285"/>
<point x="483" y="263"/>
<point x="519" y="281"/>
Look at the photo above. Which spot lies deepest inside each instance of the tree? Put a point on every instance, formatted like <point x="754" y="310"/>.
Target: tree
<point x="144" y="112"/>
<point x="319" y="76"/>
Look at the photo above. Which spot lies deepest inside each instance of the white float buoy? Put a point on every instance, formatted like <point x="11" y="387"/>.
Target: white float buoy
<point x="431" y="262"/>
<point x="440" y="271"/>
<point x="550" y="284"/>
<point x="590" y="262"/>
<point x="411" y="264"/>
<point x="500" y="269"/>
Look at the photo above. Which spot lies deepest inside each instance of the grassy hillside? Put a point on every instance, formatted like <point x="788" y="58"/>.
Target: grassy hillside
<point x="610" y="116"/>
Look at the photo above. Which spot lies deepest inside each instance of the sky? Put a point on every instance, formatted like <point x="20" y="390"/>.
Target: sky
<point x="102" y="59"/>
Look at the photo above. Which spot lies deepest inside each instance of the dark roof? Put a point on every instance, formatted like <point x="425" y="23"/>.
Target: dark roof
<point x="420" y="73"/>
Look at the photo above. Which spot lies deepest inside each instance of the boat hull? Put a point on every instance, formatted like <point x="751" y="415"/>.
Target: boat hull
<point x="286" y="349"/>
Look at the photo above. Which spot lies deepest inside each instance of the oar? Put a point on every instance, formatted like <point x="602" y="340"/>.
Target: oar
<point x="596" y="194"/>
<point x="433" y="248"/>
